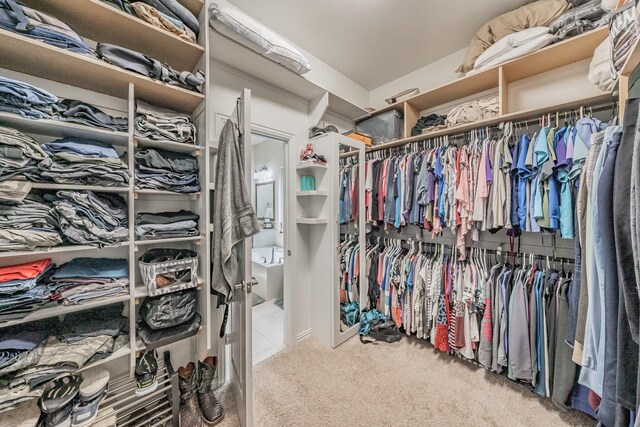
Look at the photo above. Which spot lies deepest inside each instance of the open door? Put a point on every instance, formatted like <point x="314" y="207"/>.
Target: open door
<point x="240" y="325"/>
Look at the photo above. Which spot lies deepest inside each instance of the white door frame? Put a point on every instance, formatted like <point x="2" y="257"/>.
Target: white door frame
<point x="288" y="213"/>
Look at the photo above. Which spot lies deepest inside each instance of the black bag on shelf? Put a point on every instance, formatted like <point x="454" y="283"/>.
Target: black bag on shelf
<point x="154" y="339"/>
<point x="169" y="310"/>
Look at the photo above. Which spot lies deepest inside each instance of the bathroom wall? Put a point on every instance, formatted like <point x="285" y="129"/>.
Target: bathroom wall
<point x="271" y="154"/>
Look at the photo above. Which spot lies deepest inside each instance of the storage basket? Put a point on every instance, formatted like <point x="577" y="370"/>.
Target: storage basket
<point x="168" y="270"/>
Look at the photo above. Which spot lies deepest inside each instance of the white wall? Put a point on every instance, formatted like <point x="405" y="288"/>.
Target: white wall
<point x="275" y="109"/>
<point x="428" y="77"/>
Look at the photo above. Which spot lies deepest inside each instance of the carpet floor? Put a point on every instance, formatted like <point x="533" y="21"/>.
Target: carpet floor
<point x="406" y="383"/>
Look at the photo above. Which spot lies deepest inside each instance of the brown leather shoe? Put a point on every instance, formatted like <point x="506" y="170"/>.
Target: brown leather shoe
<point x="190" y="415"/>
<point x="212" y="410"/>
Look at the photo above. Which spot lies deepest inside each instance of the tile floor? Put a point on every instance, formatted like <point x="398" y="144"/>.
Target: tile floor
<point x="268" y="331"/>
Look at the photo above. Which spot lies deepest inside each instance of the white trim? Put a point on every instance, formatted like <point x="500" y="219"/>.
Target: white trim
<point x="303" y="335"/>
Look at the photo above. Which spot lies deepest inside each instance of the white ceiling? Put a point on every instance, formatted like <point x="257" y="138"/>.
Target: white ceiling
<point x="376" y="41"/>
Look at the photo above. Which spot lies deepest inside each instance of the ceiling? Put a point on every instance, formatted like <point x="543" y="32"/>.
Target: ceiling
<point x="376" y="41"/>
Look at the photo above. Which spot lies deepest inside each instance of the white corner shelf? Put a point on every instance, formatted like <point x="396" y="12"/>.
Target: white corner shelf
<point x="62" y="129"/>
<point x="60" y="310"/>
<point x="177" y="147"/>
<point x="76" y="187"/>
<point x="312" y="221"/>
<point x="58" y="250"/>
<point x="309" y="166"/>
<point x="312" y="193"/>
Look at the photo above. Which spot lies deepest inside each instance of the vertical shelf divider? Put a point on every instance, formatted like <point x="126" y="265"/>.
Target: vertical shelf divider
<point x="132" y="248"/>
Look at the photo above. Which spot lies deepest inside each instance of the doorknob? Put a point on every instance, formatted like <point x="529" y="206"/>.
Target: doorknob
<point x="251" y="283"/>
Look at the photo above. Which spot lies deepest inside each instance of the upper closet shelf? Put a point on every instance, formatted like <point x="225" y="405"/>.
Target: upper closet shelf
<point x="62" y="129"/>
<point x="518" y="115"/>
<point x="28" y="56"/>
<point x="547" y="59"/>
<point x="100" y="22"/>
<point x="194" y="6"/>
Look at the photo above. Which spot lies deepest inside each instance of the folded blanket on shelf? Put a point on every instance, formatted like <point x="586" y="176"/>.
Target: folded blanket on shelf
<point x="166" y="170"/>
<point x="160" y="124"/>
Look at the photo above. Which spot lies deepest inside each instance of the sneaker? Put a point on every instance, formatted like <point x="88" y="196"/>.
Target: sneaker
<point x="146" y="371"/>
<point x="60" y="418"/>
<point x="85" y="412"/>
<point x="59" y="393"/>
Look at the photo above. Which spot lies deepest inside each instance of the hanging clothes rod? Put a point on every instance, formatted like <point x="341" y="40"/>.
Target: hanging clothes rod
<point x="573" y="113"/>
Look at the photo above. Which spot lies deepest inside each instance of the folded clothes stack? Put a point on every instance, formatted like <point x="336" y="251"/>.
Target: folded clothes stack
<point x="166" y="170"/>
<point x="580" y="19"/>
<point x="473" y="111"/>
<point x="23" y="289"/>
<point x="27" y="225"/>
<point x="74" y="111"/>
<point x="88" y="218"/>
<point x="40" y="26"/>
<point x="33" y="354"/>
<point x="161" y="10"/>
<point x="164" y="225"/>
<point x="428" y="124"/>
<point x="26" y="100"/>
<point x="83" y="161"/>
<point x="19" y="158"/>
<point x="156" y="18"/>
<point x="83" y="280"/>
<point x="623" y="33"/>
<point x="159" y="124"/>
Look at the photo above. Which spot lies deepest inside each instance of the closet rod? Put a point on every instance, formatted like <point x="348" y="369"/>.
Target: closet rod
<point x="609" y="106"/>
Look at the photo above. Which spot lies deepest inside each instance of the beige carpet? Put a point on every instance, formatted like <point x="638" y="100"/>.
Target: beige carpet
<point x="406" y="383"/>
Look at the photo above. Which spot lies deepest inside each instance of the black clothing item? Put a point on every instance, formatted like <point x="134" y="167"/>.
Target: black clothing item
<point x="165" y="217"/>
<point x="107" y="320"/>
<point x="607" y="410"/>
<point x="430" y="121"/>
<point x="628" y="314"/>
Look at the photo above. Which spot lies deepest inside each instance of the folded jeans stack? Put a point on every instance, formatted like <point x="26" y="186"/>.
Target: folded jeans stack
<point x="26" y="100"/>
<point x="32" y="354"/>
<point x="156" y="18"/>
<point x="84" y="280"/>
<point x="38" y="25"/>
<point x="166" y="170"/>
<point x="22" y="289"/>
<point x="170" y="10"/>
<point x="163" y="225"/>
<point x="428" y="124"/>
<point x="29" y="224"/>
<point x="159" y="124"/>
<point x="19" y="158"/>
<point x="88" y="218"/>
<point x="83" y="161"/>
<point x="74" y="111"/>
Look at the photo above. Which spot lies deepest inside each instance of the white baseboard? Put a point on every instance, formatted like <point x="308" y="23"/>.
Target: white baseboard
<point x="303" y="335"/>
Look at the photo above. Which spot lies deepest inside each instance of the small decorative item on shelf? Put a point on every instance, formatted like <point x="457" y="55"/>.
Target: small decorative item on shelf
<point x="307" y="183"/>
<point x="307" y="155"/>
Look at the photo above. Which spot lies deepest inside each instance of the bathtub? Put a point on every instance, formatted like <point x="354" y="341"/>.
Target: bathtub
<point x="270" y="276"/>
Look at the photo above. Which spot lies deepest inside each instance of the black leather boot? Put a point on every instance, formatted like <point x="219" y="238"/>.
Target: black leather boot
<point x="212" y="410"/>
<point x="190" y="415"/>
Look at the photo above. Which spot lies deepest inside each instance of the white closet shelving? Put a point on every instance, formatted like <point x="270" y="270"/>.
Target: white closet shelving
<point x="322" y="242"/>
<point x="70" y="75"/>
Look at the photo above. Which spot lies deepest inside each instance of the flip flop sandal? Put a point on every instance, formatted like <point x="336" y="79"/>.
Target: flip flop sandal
<point x="59" y="393"/>
<point x="94" y="383"/>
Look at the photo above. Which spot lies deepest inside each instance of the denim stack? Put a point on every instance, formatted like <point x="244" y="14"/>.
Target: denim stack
<point x="159" y="124"/>
<point x="34" y="353"/>
<point x="165" y="170"/>
<point x="27" y="225"/>
<point x="26" y="100"/>
<point x="22" y="289"/>
<point x="83" y="161"/>
<point x="88" y="218"/>
<point x="74" y="111"/>
<point x="166" y="225"/>
<point x="83" y="280"/>
<point x="40" y="26"/>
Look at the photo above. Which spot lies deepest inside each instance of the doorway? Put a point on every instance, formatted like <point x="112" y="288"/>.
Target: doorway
<point x="269" y="263"/>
